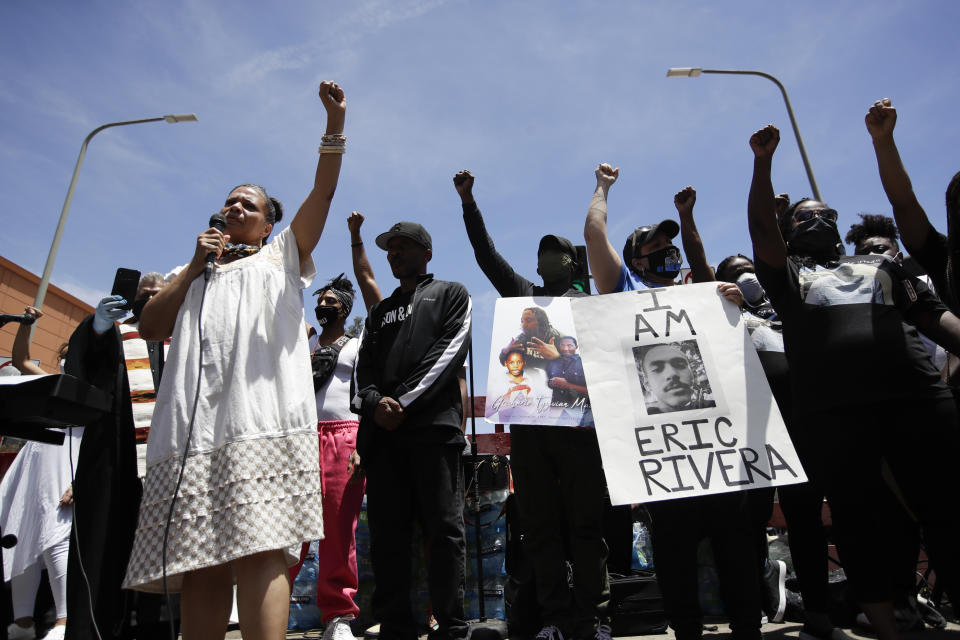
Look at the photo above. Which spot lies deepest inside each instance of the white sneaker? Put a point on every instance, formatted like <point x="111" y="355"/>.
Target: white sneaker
<point x="338" y="629"/>
<point x="16" y="632"/>
<point x="56" y="633"/>
<point x="550" y="632"/>
<point x="603" y="632"/>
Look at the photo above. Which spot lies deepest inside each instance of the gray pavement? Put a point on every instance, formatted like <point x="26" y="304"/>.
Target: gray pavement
<point x="786" y="631"/>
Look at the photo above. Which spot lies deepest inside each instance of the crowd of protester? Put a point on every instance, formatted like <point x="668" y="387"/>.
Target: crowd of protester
<point x="266" y="433"/>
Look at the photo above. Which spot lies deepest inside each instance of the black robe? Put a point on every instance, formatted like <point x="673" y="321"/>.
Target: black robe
<point x="106" y="490"/>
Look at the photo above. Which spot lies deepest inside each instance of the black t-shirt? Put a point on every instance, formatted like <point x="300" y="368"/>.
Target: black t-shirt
<point x="845" y="335"/>
<point x="932" y="256"/>
<point x="767" y="337"/>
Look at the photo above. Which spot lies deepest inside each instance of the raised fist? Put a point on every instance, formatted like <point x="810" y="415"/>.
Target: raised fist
<point x="606" y="175"/>
<point x="463" y="182"/>
<point x="881" y="118"/>
<point x="764" y="142"/>
<point x="685" y="199"/>
<point x="354" y="222"/>
<point x="333" y="98"/>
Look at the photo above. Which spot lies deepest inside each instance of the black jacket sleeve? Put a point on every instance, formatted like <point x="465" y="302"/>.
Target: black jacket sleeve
<point x="367" y="395"/>
<point x="500" y="274"/>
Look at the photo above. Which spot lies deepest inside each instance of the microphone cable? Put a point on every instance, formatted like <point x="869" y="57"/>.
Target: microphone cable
<point x="219" y="222"/>
<point x="76" y="536"/>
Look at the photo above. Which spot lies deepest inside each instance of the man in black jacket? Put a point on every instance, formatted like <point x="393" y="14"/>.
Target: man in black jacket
<point x="410" y="438"/>
<point x="557" y="472"/>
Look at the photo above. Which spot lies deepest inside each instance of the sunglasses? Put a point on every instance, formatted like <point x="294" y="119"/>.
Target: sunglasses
<point x="808" y="214"/>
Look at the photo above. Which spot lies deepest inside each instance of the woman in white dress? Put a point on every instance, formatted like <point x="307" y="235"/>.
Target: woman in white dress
<point x="36" y="505"/>
<point x="250" y="492"/>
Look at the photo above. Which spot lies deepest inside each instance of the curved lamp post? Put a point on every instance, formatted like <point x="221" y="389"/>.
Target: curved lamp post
<point x="693" y="72"/>
<point x="55" y="245"/>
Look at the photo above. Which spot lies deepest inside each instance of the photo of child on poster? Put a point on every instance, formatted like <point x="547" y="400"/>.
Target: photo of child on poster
<point x="536" y="377"/>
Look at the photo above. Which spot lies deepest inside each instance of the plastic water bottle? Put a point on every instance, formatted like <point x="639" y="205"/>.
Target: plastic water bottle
<point x="642" y="547"/>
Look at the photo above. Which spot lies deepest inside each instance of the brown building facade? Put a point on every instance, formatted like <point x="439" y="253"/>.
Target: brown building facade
<point x="62" y="313"/>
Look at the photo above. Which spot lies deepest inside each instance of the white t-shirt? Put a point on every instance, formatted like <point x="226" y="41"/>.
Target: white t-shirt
<point x="333" y="400"/>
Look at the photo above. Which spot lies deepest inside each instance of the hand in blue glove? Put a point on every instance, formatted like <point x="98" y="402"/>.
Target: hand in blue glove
<point x="107" y="312"/>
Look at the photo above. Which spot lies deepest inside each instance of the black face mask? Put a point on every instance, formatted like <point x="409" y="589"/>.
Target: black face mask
<point x="665" y="262"/>
<point x="137" y="308"/>
<point x="326" y="315"/>
<point x="817" y="238"/>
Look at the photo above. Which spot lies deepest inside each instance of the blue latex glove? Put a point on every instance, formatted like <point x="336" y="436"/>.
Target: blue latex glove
<point x="107" y="312"/>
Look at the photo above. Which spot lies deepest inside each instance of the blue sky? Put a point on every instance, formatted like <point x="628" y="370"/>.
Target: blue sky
<point x="530" y="96"/>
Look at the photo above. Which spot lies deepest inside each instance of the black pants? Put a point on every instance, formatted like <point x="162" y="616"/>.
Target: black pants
<point x="560" y="489"/>
<point x="677" y="528"/>
<point x="920" y="442"/>
<point x="410" y="482"/>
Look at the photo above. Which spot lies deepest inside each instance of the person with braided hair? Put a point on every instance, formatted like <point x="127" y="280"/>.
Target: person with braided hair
<point x="875" y="234"/>
<point x="332" y="360"/>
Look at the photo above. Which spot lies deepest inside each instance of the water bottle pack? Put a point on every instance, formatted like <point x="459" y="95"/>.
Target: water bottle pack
<point x="304" y="613"/>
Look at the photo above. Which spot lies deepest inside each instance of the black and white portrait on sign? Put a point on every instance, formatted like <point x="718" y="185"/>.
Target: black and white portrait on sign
<point x="673" y="377"/>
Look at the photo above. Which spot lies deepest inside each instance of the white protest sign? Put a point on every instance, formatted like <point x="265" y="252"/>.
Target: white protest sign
<point x="535" y="374"/>
<point x="681" y="404"/>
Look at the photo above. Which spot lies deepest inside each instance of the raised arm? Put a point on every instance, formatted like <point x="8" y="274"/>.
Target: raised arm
<point x="20" y="357"/>
<point x="912" y="221"/>
<point x="690" y="237"/>
<point x="308" y="224"/>
<point x="498" y="271"/>
<point x="362" y="270"/>
<point x="768" y="245"/>
<point x="604" y="261"/>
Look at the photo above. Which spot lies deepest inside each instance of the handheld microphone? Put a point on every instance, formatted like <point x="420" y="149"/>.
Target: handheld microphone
<point x="21" y="318"/>
<point x="218" y="222"/>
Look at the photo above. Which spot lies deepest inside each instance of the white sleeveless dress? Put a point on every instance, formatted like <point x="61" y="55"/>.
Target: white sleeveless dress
<point x="252" y="478"/>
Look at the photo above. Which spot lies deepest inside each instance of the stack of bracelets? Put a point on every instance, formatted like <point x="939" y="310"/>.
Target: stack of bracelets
<point x="333" y="143"/>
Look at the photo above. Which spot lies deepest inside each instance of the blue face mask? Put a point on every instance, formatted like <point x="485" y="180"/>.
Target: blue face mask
<point x="665" y="262"/>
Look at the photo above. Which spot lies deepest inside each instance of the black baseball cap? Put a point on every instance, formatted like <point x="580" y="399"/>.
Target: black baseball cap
<point x="411" y="230"/>
<point x="643" y="235"/>
<point x="557" y="242"/>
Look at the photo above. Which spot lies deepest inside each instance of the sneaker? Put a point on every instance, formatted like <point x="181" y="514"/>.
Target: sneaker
<point x="930" y="616"/>
<point x="550" y="632"/>
<point x="338" y="628"/>
<point x="56" y="633"/>
<point x="602" y="632"/>
<point x="776" y="591"/>
<point x="16" y="632"/>
<point x="809" y="633"/>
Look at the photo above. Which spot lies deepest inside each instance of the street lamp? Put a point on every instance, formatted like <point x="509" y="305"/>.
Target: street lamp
<point x="55" y="245"/>
<point x="693" y="72"/>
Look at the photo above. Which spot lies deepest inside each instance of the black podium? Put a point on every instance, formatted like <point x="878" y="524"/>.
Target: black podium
<point x="32" y="407"/>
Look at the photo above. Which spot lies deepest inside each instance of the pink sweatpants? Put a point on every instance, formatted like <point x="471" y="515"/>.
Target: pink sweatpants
<point x="342" y="498"/>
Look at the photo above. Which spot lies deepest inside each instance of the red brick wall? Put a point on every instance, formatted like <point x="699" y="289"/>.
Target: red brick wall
<point x="61" y="313"/>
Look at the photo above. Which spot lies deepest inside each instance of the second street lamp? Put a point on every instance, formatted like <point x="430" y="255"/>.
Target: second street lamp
<point x="693" y="72"/>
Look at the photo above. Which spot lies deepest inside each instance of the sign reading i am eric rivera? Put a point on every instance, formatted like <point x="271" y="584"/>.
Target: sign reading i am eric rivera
<point x="680" y="402"/>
